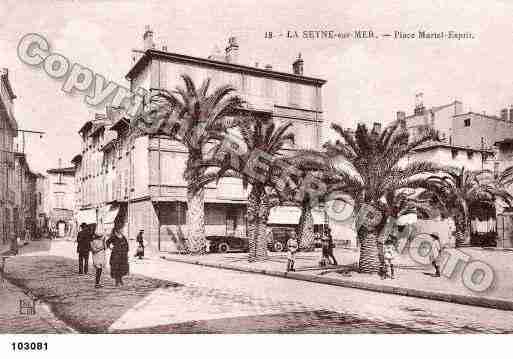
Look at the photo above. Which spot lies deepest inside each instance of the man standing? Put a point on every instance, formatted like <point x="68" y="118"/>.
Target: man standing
<point x="83" y="248"/>
<point x="292" y="247"/>
<point x="139" y="252"/>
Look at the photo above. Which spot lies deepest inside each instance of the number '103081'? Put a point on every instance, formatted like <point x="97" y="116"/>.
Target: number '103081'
<point x="27" y="346"/>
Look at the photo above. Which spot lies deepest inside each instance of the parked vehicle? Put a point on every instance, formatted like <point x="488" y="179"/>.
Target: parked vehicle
<point x="223" y="244"/>
<point x="277" y="238"/>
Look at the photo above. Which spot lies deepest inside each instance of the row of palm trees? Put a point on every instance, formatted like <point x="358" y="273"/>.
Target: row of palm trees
<point x="224" y="139"/>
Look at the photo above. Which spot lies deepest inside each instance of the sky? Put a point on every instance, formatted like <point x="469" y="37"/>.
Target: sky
<point x="368" y="79"/>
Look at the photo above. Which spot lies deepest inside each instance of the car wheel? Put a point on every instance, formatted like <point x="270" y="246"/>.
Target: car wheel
<point x="223" y="248"/>
<point x="278" y="246"/>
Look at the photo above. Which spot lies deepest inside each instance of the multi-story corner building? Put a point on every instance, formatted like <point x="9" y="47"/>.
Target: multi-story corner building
<point x="139" y="180"/>
<point x="466" y="138"/>
<point x="60" y="199"/>
<point x="472" y="140"/>
<point x="8" y="130"/>
<point x="25" y="197"/>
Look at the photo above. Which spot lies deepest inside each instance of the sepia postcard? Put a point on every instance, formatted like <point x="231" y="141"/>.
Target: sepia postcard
<point x="254" y="167"/>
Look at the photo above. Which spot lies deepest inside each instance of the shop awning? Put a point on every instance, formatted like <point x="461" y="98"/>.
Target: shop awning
<point x="87" y="216"/>
<point x="290" y="215"/>
<point x="111" y="214"/>
<point x="59" y="214"/>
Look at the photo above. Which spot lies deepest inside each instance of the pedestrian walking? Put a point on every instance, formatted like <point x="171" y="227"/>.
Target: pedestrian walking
<point x="434" y="254"/>
<point x="119" y="256"/>
<point x="389" y="254"/>
<point x="331" y="245"/>
<point x="83" y="248"/>
<point x="292" y="247"/>
<point x="98" y="249"/>
<point x="139" y="252"/>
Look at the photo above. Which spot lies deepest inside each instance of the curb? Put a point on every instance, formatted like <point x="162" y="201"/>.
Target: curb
<point x="381" y="288"/>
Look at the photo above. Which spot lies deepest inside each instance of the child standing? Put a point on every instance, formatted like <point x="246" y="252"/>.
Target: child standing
<point x="389" y="254"/>
<point x="292" y="247"/>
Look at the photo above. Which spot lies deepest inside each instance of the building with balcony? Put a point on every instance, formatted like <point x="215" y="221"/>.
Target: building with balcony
<point x="60" y="199"/>
<point x="138" y="180"/>
<point x="8" y="131"/>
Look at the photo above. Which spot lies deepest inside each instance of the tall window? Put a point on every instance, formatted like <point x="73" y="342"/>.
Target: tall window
<point x="59" y="200"/>
<point x="466" y="122"/>
<point x="294" y="94"/>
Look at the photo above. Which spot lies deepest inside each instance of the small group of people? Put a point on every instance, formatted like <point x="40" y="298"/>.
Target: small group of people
<point x="390" y="252"/>
<point x="89" y="241"/>
<point x="327" y="250"/>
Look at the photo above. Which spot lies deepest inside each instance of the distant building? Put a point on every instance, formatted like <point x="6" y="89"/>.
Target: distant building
<point x="8" y="130"/>
<point x="139" y="180"/>
<point x="42" y="205"/>
<point x="25" y="196"/>
<point x="61" y="200"/>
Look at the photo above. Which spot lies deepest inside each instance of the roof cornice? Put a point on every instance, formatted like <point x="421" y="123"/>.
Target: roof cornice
<point x="231" y="67"/>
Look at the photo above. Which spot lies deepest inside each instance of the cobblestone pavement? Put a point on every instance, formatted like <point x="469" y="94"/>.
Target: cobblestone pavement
<point x="223" y="301"/>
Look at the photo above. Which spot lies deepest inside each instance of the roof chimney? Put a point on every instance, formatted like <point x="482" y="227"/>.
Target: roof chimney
<point x="419" y="104"/>
<point x="232" y="50"/>
<point x="148" y="38"/>
<point x="297" y="66"/>
<point x="269" y="67"/>
<point x="511" y="113"/>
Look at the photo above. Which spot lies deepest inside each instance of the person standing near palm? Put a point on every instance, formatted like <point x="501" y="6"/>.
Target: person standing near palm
<point x="292" y="246"/>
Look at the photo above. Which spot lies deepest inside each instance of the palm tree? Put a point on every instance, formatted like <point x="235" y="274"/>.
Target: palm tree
<point x="373" y="170"/>
<point x="196" y="117"/>
<point x="257" y="161"/>
<point x="311" y="182"/>
<point x="457" y="189"/>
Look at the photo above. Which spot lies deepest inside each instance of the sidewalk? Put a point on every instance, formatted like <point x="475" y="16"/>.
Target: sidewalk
<point x="411" y="279"/>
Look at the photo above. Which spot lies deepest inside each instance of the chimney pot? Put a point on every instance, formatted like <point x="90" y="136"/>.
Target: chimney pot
<point x="232" y="50"/>
<point x="268" y="67"/>
<point x="297" y="65"/>
<point x="148" y="38"/>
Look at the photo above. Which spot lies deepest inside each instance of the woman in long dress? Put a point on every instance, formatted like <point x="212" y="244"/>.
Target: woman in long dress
<point x="119" y="256"/>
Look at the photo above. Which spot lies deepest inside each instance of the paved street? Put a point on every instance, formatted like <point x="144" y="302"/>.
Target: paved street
<point x="12" y="321"/>
<point x="212" y="300"/>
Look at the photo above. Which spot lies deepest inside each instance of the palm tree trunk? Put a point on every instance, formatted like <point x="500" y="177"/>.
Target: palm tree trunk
<point x="462" y="226"/>
<point x="252" y="216"/>
<point x="196" y="221"/>
<point x="260" y="235"/>
<point x="369" y="253"/>
<point x="306" y="228"/>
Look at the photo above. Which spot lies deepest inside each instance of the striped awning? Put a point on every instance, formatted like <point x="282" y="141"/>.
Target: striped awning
<point x="61" y="214"/>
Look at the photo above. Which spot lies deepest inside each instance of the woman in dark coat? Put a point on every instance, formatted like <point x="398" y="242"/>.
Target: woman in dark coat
<point x="118" y="256"/>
